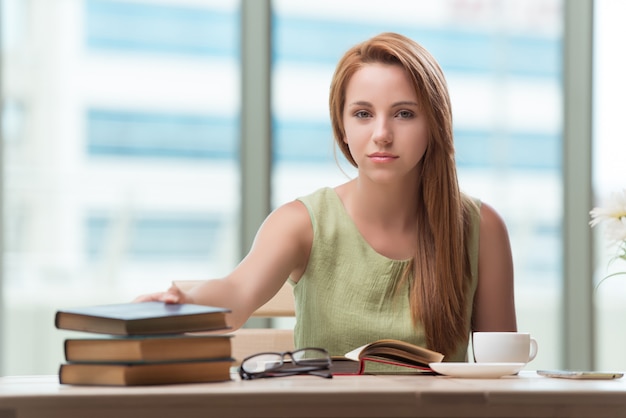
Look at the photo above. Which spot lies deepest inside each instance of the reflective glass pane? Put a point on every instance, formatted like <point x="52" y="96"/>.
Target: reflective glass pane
<point x="609" y="178"/>
<point x="120" y="126"/>
<point x="503" y="64"/>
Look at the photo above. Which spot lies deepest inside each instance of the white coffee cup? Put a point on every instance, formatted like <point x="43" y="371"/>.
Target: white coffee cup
<point x="503" y="347"/>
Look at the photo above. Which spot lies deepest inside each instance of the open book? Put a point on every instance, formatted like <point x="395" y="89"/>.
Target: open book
<point x="402" y="357"/>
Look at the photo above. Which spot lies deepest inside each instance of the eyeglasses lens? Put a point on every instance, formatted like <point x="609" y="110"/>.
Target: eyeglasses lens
<point x="262" y="363"/>
<point x="311" y="357"/>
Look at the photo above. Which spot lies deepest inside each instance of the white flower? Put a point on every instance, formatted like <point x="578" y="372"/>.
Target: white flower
<point x="616" y="230"/>
<point x="614" y="219"/>
<point x="615" y="210"/>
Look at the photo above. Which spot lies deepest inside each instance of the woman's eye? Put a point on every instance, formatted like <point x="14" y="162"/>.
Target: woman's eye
<point x="361" y="114"/>
<point x="405" y="114"/>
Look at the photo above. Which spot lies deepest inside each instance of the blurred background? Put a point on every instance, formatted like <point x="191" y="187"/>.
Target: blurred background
<point x="122" y="147"/>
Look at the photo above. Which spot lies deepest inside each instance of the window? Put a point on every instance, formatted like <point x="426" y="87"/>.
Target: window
<point x="121" y="169"/>
<point x="608" y="177"/>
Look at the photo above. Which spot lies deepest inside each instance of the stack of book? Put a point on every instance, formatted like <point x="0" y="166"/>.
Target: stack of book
<point x="145" y="344"/>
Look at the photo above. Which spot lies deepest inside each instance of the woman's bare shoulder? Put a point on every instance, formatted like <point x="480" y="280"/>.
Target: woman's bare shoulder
<point x="294" y="213"/>
<point x="490" y="219"/>
<point x="285" y="239"/>
<point x="290" y="222"/>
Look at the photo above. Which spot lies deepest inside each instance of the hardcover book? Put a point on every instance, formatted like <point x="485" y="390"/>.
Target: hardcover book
<point x="142" y="349"/>
<point x="144" y="318"/>
<point x="119" y="374"/>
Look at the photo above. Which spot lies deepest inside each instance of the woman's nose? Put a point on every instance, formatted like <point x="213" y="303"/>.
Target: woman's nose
<point x="382" y="132"/>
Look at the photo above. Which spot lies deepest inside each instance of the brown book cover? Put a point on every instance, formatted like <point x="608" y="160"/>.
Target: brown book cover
<point x="147" y="348"/>
<point x="119" y="374"/>
<point x="146" y="318"/>
<point x="388" y="356"/>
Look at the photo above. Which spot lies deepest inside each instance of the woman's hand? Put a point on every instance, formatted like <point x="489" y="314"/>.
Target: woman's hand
<point x="172" y="295"/>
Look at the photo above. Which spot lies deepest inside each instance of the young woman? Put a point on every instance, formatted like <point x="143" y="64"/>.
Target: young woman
<point x="398" y="252"/>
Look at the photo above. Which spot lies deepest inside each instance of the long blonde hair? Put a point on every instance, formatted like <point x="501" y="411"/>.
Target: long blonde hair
<point x="440" y="272"/>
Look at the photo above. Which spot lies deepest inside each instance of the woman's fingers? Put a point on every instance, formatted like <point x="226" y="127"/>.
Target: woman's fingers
<point x="167" y="297"/>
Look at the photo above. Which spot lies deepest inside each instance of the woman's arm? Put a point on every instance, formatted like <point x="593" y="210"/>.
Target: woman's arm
<point x="280" y="250"/>
<point x="494" y="302"/>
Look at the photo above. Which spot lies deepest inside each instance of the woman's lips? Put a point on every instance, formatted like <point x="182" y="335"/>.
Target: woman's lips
<point x="382" y="157"/>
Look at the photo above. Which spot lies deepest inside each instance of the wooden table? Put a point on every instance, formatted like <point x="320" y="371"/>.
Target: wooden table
<point x="525" y="395"/>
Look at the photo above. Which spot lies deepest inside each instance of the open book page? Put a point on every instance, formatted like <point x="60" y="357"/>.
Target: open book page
<point x="396" y="352"/>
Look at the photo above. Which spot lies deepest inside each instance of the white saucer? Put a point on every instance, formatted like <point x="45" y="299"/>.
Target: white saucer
<point x="477" y="370"/>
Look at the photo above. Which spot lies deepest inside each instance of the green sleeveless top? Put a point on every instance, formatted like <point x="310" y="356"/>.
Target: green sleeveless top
<point x="347" y="296"/>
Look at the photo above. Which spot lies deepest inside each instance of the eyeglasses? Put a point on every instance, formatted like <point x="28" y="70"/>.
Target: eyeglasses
<point x="315" y="361"/>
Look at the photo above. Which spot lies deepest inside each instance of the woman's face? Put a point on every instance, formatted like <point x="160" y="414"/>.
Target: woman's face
<point x="384" y="129"/>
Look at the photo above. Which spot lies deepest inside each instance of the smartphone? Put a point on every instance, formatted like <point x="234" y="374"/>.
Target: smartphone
<point x="575" y="374"/>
